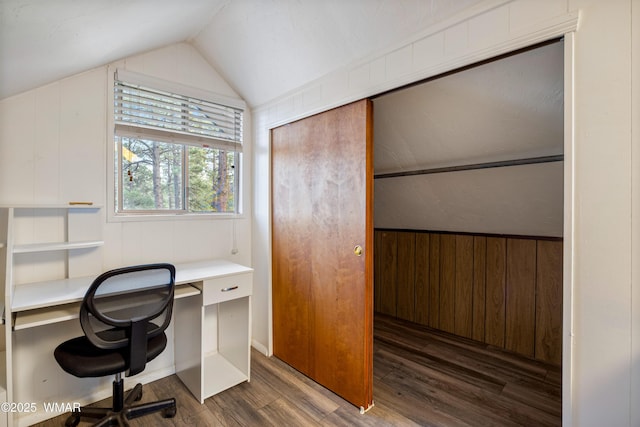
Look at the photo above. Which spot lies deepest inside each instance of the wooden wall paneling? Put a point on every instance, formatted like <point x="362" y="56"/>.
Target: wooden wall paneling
<point x="463" y="301"/>
<point x="503" y="291"/>
<point x="548" y="342"/>
<point x="521" y="298"/>
<point x="495" y="291"/>
<point x="479" y="286"/>
<point x="405" y="292"/>
<point x="434" y="280"/>
<point x="422" y="279"/>
<point x="447" y="282"/>
<point x="389" y="264"/>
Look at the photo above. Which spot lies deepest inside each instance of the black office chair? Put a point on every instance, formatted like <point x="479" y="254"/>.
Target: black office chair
<point x="124" y="315"/>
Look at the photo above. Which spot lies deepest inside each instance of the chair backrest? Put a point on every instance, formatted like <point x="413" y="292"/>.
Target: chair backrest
<point x="126" y="307"/>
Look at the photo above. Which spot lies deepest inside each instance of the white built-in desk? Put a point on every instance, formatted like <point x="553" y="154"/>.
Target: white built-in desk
<point x="214" y="289"/>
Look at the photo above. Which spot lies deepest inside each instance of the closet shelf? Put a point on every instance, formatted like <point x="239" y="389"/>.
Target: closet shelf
<point x="56" y="246"/>
<point x="474" y="166"/>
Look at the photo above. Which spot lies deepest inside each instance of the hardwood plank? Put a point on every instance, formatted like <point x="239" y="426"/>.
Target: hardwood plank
<point x="460" y="399"/>
<point x="520" y="303"/>
<point x="434" y="280"/>
<point x="466" y="392"/>
<point x="423" y="377"/>
<point x="231" y="411"/>
<point x="313" y="398"/>
<point x="463" y="317"/>
<point x="406" y="399"/>
<point x="541" y="400"/>
<point x="495" y="291"/>
<point x="432" y="359"/>
<point x="554" y="377"/>
<point x="481" y="377"/>
<point x="548" y="330"/>
<point x="479" y="286"/>
<point x="510" y="365"/>
<point x="389" y="266"/>
<point x="405" y="282"/>
<point x="447" y="282"/>
<point x="468" y="361"/>
<point x="285" y="412"/>
<point x="422" y="279"/>
<point x="384" y="415"/>
<point x="190" y="411"/>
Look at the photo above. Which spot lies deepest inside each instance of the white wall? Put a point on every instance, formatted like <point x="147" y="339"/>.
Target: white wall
<point x="53" y="149"/>
<point x="604" y="284"/>
<point x="602" y="356"/>
<point x="522" y="200"/>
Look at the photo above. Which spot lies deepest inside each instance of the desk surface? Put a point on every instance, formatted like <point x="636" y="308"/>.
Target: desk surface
<point x="30" y="296"/>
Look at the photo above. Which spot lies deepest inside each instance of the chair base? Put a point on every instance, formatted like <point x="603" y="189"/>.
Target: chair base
<point x="114" y="416"/>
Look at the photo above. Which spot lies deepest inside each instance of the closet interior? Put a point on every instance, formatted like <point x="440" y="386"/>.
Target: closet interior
<point x="468" y="200"/>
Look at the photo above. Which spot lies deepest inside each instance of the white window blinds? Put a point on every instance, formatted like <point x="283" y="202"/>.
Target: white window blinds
<point x="140" y="111"/>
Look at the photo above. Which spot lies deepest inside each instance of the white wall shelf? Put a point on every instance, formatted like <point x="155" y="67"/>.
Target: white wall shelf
<point x="56" y="246"/>
<point x="30" y="234"/>
<point x="51" y="206"/>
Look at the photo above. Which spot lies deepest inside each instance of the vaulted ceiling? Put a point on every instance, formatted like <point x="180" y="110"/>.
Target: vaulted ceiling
<point x="263" y="48"/>
<point x="506" y="109"/>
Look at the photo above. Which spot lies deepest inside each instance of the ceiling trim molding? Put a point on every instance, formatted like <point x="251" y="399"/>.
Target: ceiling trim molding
<point x="282" y="109"/>
<point x="462" y="16"/>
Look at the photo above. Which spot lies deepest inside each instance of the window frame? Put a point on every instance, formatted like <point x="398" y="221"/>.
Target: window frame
<point x="114" y="182"/>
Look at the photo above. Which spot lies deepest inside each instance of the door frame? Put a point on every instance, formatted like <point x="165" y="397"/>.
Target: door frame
<point x="568" y="263"/>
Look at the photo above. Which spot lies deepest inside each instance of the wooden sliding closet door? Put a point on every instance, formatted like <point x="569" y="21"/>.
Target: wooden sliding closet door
<point x="322" y="190"/>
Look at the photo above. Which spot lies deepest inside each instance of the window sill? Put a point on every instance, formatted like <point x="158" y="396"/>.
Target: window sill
<point x="119" y="217"/>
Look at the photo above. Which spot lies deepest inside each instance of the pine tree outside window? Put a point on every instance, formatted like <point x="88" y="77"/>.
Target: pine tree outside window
<point x="174" y="153"/>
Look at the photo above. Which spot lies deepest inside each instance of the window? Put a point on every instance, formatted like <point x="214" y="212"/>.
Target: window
<point x="174" y="153"/>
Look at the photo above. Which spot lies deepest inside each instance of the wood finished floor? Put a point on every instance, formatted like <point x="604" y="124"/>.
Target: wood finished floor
<point x="421" y="377"/>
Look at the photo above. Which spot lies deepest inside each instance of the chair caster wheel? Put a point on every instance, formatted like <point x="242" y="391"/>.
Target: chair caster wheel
<point x="169" y="412"/>
<point x="139" y="396"/>
<point x="73" y="420"/>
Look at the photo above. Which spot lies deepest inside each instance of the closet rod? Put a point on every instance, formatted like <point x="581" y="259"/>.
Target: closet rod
<point x="501" y="164"/>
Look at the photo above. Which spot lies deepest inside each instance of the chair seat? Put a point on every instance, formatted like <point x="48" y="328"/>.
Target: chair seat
<point x="80" y="358"/>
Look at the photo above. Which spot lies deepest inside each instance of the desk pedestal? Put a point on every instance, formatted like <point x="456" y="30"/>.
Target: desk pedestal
<point x="225" y="307"/>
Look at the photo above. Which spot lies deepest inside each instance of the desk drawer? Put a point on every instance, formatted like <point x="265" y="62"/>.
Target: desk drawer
<point x="227" y="288"/>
